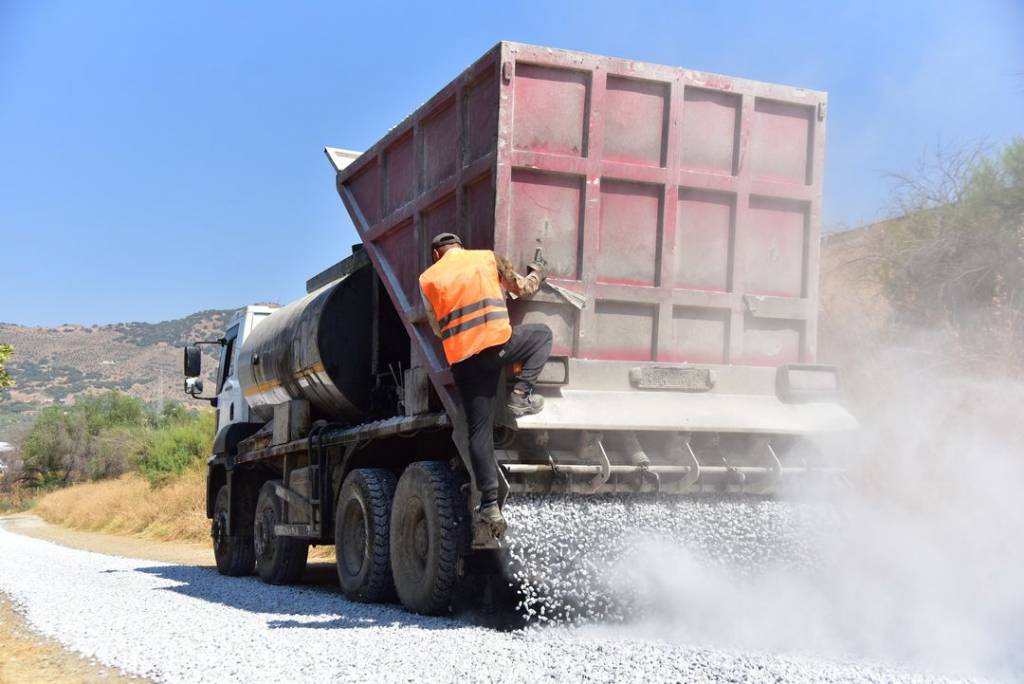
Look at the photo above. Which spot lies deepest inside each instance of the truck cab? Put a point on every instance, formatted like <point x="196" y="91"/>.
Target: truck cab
<point x="230" y="402"/>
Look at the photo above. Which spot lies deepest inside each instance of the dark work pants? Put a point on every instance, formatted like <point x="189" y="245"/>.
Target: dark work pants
<point x="477" y="380"/>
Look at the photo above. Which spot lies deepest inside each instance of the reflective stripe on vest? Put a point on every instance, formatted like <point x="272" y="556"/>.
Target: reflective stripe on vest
<point x="469" y="325"/>
<point x="465" y="292"/>
<point x="466" y="310"/>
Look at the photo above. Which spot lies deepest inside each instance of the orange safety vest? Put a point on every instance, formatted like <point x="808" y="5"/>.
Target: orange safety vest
<point x="465" y="292"/>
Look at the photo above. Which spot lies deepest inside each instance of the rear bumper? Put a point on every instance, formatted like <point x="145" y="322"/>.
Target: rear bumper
<point x="606" y="395"/>
<point x="678" y="411"/>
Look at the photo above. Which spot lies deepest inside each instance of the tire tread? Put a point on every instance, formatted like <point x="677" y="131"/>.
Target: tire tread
<point x="379" y="485"/>
<point x="453" y="526"/>
<point x="291" y="554"/>
<point x="241" y="559"/>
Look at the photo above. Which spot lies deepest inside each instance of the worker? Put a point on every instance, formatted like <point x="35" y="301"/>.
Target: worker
<point x="464" y="294"/>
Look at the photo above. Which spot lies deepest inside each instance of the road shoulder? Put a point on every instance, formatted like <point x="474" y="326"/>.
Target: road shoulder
<point x="110" y="544"/>
<point x="26" y="657"/>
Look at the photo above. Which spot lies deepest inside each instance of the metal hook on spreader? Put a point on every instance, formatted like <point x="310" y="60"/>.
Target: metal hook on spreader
<point x="680" y="446"/>
<point x="734" y="475"/>
<point x="640" y="460"/>
<point x="556" y="472"/>
<point x="775" y="468"/>
<point x="645" y="473"/>
<point x="503" y="487"/>
<point x="592" y="449"/>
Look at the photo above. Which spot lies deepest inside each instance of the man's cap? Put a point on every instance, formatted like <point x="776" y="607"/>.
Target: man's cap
<point x="444" y="239"/>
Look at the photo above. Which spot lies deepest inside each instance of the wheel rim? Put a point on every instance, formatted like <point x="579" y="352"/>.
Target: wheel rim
<point x="419" y="542"/>
<point x="416" y="535"/>
<point x="219" y="531"/>
<point x="263" y="532"/>
<point x="355" y="536"/>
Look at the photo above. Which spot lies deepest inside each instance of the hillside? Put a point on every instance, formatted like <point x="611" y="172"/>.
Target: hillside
<point x="56" y="365"/>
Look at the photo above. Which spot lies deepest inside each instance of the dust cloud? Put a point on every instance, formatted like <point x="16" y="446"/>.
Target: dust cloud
<point x="919" y="561"/>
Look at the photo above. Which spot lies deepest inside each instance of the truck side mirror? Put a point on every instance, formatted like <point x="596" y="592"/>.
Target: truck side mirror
<point x="193" y="362"/>
<point x="193" y="386"/>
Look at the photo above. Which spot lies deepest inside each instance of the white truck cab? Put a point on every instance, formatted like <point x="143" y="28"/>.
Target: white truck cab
<point x="231" y="406"/>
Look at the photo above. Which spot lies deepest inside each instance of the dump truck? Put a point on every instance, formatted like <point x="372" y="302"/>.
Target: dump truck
<point x="679" y="214"/>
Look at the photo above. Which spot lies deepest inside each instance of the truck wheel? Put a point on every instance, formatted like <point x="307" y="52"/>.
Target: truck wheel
<point x="429" y="528"/>
<point x="235" y="554"/>
<point x="361" y="531"/>
<point x="279" y="560"/>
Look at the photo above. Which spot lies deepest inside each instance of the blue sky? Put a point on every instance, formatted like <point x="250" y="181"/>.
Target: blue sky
<point x="158" y="159"/>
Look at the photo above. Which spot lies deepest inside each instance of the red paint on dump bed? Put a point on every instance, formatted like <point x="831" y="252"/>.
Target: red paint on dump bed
<point x="665" y="196"/>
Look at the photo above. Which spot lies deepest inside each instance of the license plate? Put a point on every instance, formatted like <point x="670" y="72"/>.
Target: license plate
<point x="669" y="378"/>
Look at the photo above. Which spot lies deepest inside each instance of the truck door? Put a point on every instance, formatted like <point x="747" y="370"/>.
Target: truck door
<point x="230" y="405"/>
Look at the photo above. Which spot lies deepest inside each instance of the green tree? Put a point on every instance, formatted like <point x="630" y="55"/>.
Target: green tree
<point x="6" y="380"/>
<point x="111" y="409"/>
<point x="104" y="436"/>
<point x="172" y="413"/>
<point x="170" y="450"/>
<point x="93" y="438"/>
<point x="116" y="449"/>
<point x="58" y="449"/>
<point x="954" y="261"/>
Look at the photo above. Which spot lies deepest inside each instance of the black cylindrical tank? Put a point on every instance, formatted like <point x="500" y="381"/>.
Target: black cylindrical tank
<point x="316" y="348"/>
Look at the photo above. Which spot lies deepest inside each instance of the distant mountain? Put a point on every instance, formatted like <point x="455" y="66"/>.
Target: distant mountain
<point x="56" y="365"/>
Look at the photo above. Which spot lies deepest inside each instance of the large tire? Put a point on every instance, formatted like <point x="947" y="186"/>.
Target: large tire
<point x="235" y="554"/>
<point x="279" y="560"/>
<point x="429" y="531"/>
<point x="362" y="531"/>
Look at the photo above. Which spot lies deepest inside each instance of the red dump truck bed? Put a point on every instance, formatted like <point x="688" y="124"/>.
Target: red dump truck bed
<point x="683" y="206"/>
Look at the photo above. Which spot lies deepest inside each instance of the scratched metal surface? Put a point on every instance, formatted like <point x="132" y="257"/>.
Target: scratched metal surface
<point x="685" y="206"/>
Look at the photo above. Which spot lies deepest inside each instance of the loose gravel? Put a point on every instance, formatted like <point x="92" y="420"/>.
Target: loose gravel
<point x="572" y="556"/>
<point x="175" y="623"/>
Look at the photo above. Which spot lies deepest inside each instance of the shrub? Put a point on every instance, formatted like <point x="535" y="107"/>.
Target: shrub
<point x="15" y="499"/>
<point x="115" y="450"/>
<point x="169" y="451"/>
<point x="172" y="413"/>
<point x="954" y="262"/>
<point x="57" y="449"/>
<point x="104" y="436"/>
<point x="111" y="410"/>
<point x="5" y="353"/>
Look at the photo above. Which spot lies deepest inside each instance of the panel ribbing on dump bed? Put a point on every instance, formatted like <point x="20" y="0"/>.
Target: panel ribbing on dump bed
<point x="684" y="206"/>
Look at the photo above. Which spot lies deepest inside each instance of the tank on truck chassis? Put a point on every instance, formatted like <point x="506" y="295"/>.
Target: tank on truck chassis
<point x="679" y="215"/>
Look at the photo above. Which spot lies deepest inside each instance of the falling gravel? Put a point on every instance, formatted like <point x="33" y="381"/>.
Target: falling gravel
<point x="571" y="556"/>
<point x="176" y="623"/>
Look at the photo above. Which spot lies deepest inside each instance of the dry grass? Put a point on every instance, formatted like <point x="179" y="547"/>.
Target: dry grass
<point x="16" y="499"/>
<point x="128" y="505"/>
<point x="175" y="512"/>
<point x="28" y="658"/>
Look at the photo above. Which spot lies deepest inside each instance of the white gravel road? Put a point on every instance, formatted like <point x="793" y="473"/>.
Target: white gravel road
<point x="178" y="623"/>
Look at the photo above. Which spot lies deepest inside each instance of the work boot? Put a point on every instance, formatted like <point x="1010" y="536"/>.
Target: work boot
<point x="525" y="403"/>
<point x="491" y="516"/>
